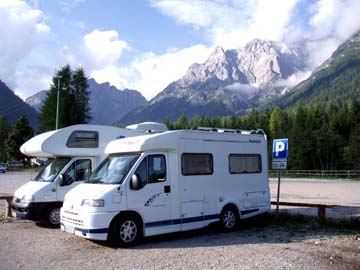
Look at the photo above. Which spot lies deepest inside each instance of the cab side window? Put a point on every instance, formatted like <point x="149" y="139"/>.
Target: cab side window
<point x="79" y="170"/>
<point x="156" y="169"/>
<point x="152" y="170"/>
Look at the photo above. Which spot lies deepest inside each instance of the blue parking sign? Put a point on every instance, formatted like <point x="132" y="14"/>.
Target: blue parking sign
<point x="280" y="154"/>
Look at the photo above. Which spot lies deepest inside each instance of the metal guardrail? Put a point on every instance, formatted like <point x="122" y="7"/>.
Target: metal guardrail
<point x="318" y="173"/>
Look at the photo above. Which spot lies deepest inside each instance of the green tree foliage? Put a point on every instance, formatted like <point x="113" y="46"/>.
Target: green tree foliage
<point x="20" y="133"/>
<point x="4" y="131"/>
<point x="74" y="100"/>
<point x="322" y="136"/>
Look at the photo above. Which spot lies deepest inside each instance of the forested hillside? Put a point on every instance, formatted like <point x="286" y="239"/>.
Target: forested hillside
<point x="323" y="137"/>
<point x="337" y="80"/>
<point x="14" y="107"/>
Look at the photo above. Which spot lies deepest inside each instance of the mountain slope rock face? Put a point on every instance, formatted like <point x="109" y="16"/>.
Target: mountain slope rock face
<point x="36" y="101"/>
<point x="13" y="107"/>
<point x="229" y="82"/>
<point x="336" y="80"/>
<point x="107" y="103"/>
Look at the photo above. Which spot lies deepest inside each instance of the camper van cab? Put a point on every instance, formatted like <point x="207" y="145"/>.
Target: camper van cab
<point x="73" y="153"/>
<point x="169" y="182"/>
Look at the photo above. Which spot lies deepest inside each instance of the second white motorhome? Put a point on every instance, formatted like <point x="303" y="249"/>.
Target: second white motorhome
<point x="74" y="152"/>
<point x="169" y="182"/>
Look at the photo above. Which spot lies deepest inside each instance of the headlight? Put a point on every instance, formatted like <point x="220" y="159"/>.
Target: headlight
<point x="93" y="203"/>
<point x="27" y="198"/>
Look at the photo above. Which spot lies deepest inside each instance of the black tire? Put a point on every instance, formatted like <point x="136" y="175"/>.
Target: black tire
<point x="126" y="231"/>
<point x="52" y="218"/>
<point x="229" y="219"/>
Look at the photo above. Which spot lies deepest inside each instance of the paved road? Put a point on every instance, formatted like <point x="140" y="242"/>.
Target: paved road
<point x="338" y="192"/>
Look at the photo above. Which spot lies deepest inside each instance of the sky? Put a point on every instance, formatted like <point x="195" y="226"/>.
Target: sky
<point x="147" y="44"/>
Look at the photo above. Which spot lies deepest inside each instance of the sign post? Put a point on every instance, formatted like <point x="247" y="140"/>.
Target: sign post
<point x="279" y="162"/>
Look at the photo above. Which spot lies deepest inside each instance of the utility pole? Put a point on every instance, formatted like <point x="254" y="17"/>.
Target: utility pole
<point x="57" y="104"/>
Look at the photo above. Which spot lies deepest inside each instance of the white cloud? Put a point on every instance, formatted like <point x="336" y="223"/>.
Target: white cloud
<point x="103" y="48"/>
<point x="294" y="79"/>
<point x="333" y="21"/>
<point x="244" y="20"/>
<point x="151" y="73"/>
<point x="119" y="77"/>
<point x="244" y="90"/>
<point x="157" y="71"/>
<point x="230" y="24"/>
<point x="21" y="30"/>
<point x="324" y="25"/>
<point x="66" y="56"/>
<point x="30" y="78"/>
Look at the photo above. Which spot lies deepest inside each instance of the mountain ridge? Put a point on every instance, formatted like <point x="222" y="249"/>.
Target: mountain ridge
<point x="13" y="107"/>
<point x="231" y="81"/>
<point x="107" y="103"/>
<point x="337" y="79"/>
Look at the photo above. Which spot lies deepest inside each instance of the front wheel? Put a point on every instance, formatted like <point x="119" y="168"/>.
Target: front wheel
<point x="229" y="219"/>
<point x="126" y="232"/>
<point x="52" y="218"/>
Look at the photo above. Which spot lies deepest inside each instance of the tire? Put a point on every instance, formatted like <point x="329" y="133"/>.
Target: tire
<point x="126" y="231"/>
<point x="52" y="218"/>
<point x="229" y="219"/>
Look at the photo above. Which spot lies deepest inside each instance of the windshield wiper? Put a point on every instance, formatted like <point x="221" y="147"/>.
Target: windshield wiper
<point x="94" y="181"/>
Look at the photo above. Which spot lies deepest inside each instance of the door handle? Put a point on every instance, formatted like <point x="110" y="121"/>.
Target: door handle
<point x="167" y="189"/>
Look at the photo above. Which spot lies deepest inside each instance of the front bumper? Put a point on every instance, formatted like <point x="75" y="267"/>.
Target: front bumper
<point x="32" y="210"/>
<point x="90" y="225"/>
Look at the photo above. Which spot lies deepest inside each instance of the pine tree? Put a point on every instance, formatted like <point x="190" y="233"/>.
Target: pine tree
<point x="20" y="133"/>
<point x="4" y="131"/>
<point x="73" y="101"/>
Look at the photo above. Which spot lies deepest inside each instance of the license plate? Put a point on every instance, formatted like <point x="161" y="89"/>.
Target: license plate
<point x="69" y="229"/>
<point x="13" y="214"/>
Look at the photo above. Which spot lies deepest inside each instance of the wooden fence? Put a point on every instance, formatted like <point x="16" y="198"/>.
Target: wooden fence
<point x="318" y="173"/>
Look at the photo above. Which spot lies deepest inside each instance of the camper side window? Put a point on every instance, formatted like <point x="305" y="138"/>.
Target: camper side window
<point x="83" y="139"/>
<point x="196" y="164"/>
<point x="79" y="170"/>
<point x="244" y="163"/>
<point x="151" y="170"/>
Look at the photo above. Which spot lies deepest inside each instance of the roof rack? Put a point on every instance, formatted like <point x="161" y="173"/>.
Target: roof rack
<point x="228" y="130"/>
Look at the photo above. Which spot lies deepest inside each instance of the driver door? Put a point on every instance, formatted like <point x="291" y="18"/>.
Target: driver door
<point x="76" y="173"/>
<point x="152" y="199"/>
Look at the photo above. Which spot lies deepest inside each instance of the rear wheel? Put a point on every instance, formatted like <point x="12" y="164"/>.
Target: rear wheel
<point x="229" y="219"/>
<point x="52" y="218"/>
<point x="126" y="231"/>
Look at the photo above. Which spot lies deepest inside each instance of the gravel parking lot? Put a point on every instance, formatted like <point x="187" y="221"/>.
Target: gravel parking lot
<point x="260" y="243"/>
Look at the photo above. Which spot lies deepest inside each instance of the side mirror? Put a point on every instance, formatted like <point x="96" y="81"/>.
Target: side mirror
<point x="61" y="180"/>
<point x="135" y="183"/>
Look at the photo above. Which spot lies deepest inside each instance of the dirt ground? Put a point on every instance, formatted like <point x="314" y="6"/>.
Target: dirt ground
<point x="292" y="242"/>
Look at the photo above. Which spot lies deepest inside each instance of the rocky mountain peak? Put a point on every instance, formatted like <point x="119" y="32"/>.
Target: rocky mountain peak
<point x="259" y="63"/>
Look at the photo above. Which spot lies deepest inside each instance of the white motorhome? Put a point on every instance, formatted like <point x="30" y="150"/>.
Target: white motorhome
<point x="74" y="152"/>
<point x="169" y="182"/>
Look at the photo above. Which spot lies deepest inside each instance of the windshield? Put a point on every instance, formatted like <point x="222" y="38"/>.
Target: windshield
<point x="113" y="169"/>
<point x="52" y="170"/>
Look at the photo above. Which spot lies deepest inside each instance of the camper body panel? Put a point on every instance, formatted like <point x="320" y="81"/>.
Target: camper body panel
<point x="186" y="199"/>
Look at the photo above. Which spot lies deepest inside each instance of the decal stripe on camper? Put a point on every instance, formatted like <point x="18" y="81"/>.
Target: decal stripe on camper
<point x="180" y="221"/>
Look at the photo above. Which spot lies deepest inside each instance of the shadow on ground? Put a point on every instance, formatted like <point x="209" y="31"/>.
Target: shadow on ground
<point x="288" y="228"/>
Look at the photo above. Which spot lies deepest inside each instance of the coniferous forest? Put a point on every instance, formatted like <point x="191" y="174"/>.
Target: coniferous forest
<point x="321" y="136"/>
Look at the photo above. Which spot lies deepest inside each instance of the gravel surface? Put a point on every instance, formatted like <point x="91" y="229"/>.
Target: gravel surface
<point x="259" y="243"/>
<point x="25" y="245"/>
